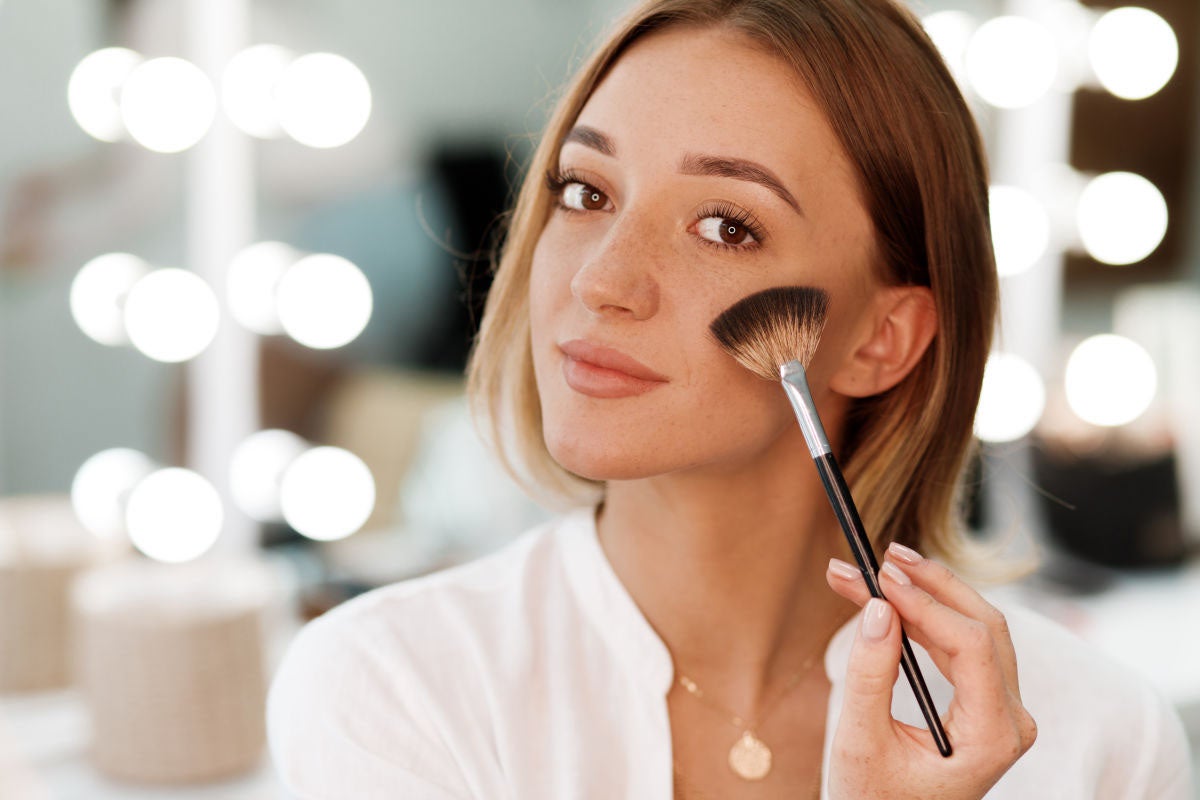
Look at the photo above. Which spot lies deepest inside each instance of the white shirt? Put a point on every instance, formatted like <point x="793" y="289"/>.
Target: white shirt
<point x="531" y="673"/>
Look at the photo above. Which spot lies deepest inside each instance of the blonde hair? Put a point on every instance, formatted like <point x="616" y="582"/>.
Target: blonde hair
<point x="923" y="179"/>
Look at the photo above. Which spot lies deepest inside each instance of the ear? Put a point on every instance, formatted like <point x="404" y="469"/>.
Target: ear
<point x="896" y="332"/>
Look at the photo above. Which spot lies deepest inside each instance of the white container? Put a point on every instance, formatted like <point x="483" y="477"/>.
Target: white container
<point x="42" y="548"/>
<point x="170" y="659"/>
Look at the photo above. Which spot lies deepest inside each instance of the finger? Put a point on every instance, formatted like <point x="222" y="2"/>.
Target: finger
<point x="947" y="588"/>
<point x="962" y="647"/>
<point x="846" y="579"/>
<point x="866" y="719"/>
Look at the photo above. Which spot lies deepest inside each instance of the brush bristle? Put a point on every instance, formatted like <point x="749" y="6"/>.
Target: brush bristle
<point x="765" y="330"/>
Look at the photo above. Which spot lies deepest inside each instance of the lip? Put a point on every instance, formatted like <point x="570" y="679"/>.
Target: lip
<point x="599" y="371"/>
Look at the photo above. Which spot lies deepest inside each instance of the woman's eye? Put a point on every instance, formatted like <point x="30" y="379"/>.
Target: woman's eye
<point x="581" y="197"/>
<point x="724" y="230"/>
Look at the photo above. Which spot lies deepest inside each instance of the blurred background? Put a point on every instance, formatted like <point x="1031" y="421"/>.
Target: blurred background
<point x="243" y="249"/>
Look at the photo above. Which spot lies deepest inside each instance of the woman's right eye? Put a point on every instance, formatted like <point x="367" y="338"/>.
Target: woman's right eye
<point x="579" y="196"/>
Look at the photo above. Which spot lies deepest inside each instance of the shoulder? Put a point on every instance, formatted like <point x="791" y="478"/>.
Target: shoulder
<point x="1095" y="714"/>
<point x="367" y="685"/>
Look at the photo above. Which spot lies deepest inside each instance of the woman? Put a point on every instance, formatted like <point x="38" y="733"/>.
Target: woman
<point x="677" y="633"/>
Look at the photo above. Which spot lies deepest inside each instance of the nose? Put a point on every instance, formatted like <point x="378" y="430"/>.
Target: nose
<point x="616" y="278"/>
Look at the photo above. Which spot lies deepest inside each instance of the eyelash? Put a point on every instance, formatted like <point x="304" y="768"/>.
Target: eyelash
<point x="557" y="181"/>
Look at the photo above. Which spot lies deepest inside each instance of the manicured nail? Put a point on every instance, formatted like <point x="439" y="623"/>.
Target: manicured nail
<point x="847" y="572"/>
<point x="877" y="619"/>
<point x="905" y="554"/>
<point x="896" y="574"/>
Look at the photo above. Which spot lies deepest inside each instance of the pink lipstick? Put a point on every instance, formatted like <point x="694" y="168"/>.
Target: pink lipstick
<point x="599" y="371"/>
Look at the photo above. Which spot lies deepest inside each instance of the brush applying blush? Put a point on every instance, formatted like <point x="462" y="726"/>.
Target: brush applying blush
<point x="774" y="334"/>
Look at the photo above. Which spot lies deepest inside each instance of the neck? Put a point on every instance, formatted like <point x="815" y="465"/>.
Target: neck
<point x="729" y="568"/>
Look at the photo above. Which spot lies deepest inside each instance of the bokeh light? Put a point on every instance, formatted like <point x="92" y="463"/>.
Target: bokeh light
<point x="324" y="301"/>
<point x="323" y="100"/>
<point x="98" y="295"/>
<point x="174" y="515"/>
<point x="1133" y="52"/>
<point x="94" y="91"/>
<point x="251" y="283"/>
<point x="256" y="472"/>
<point x="1110" y="380"/>
<point x="1020" y="229"/>
<point x="1011" y="61"/>
<point x="327" y="493"/>
<point x="168" y="104"/>
<point x="951" y="31"/>
<point x="1122" y="217"/>
<point x="1012" y="399"/>
<point x="248" y="89"/>
<point x="171" y="315"/>
<point x="101" y="487"/>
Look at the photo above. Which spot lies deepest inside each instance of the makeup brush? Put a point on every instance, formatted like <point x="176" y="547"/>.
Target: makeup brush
<point x="774" y="334"/>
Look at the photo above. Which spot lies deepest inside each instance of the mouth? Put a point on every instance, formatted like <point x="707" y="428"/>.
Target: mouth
<point x="599" y="371"/>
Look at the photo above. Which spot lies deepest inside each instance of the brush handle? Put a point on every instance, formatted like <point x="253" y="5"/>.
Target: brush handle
<point x="795" y="383"/>
<point x="847" y="514"/>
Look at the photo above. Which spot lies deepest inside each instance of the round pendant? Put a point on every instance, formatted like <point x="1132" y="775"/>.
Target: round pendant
<point x="750" y="758"/>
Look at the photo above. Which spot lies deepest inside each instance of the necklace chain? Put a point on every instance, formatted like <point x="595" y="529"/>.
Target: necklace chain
<point x="737" y="720"/>
<point x="693" y="689"/>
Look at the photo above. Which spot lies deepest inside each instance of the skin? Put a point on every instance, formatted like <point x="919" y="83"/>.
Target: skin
<point x="714" y="517"/>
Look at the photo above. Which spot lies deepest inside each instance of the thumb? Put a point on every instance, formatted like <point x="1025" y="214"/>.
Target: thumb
<point x="872" y="672"/>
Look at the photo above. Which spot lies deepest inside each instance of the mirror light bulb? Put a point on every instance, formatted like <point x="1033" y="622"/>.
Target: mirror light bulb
<point x="251" y="285"/>
<point x="98" y="295"/>
<point x="950" y="32"/>
<point x="1122" y="218"/>
<point x="1110" y="380"/>
<point x="94" y="90"/>
<point x="1020" y="229"/>
<point x="256" y="472"/>
<point x="168" y="104"/>
<point x="324" y="301"/>
<point x="174" y="515"/>
<point x="327" y="493"/>
<point x="171" y="315"/>
<point x="323" y="100"/>
<point x="248" y="89"/>
<point x="1011" y="61"/>
<point x="101" y="487"/>
<point x="1133" y="52"/>
<point x="1012" y="399"/>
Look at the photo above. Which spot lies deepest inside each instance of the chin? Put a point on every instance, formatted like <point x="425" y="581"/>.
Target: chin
<point x="598" y="458"/>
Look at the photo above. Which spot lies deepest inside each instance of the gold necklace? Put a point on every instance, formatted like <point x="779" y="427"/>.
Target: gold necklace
<point x="749" y="757"/>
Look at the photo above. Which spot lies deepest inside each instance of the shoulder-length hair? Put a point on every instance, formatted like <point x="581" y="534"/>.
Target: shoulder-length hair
<point x="922" y="176"/>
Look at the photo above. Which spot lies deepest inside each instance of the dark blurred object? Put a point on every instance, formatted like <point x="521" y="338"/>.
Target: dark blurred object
<point x="1110" y="506"/>
<point x="477" y="194"/>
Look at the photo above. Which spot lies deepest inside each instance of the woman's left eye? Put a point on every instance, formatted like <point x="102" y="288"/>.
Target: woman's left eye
<point x="724" y="230"/>
<point x="729" y="228"/>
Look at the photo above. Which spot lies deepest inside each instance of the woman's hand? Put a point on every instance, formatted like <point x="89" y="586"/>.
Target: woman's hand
<point x="874" y="756"/>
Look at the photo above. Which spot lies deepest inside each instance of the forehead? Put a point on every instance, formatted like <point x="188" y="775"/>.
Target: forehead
<point x="713" y="90"/>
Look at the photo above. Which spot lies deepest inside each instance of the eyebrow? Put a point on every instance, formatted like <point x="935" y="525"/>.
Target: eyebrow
<point x="739" y="168"/>
<point x="590" y="137"/>
<point x="697" y="164"/>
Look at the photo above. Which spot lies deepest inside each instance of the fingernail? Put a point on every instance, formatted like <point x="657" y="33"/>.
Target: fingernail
<point x="843" y="570"/>
<point x="895" y="573"/>
<point x="877" y="619"/>
<point x="905" y="554"/>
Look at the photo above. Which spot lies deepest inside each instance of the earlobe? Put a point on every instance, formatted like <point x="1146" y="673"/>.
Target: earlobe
<point x="897" y="333"/>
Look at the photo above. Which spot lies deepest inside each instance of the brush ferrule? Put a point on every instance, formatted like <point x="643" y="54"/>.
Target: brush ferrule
<point x="795" y="383"/>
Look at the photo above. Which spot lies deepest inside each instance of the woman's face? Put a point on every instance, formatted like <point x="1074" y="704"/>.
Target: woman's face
<point x="700" y="171"/>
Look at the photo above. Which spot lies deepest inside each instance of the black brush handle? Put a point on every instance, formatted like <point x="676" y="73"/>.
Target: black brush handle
<point x="847" y="514"/>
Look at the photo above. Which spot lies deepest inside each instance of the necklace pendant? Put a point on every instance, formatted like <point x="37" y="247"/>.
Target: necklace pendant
<point x="750" y="758"/>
